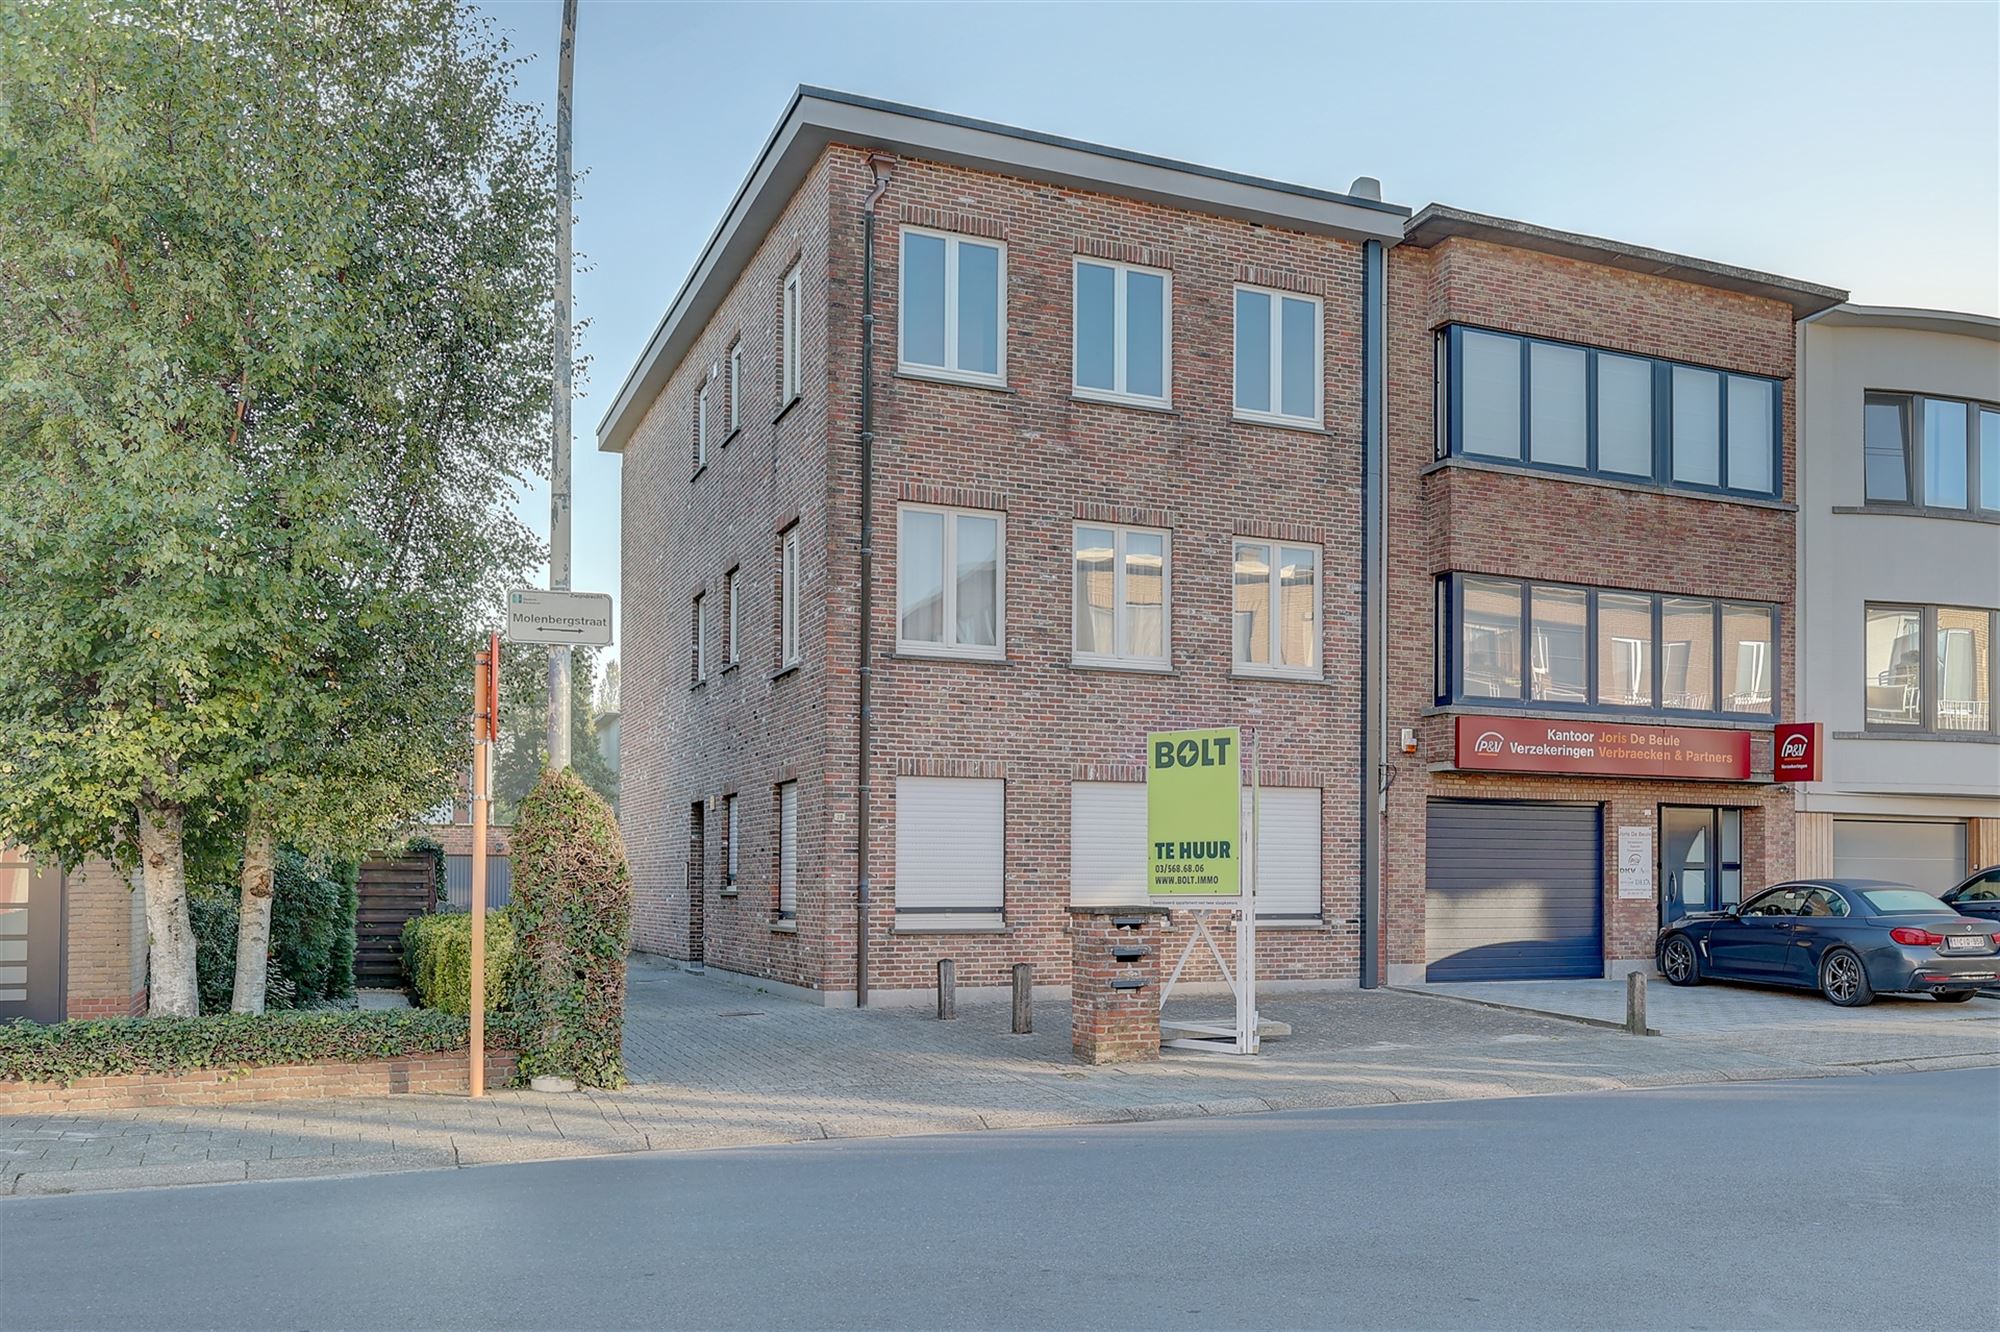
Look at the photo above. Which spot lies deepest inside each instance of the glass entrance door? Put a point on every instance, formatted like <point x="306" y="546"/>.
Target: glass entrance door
<point x="1701" y="860"/>
<point x="31" y="913"/>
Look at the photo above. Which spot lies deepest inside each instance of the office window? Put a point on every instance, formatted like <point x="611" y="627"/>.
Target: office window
<point x="1944" y="454"/>
<point x="788" y="597"/>
<point x="1490" y="646"/>
<point x="700" y="637"/>
<point x="1277" y="357"/>
<point x="1547" y="404"/>
<point x="788" y="850"/>
<point x="701" y="427"/>
<point x="1560" y="670"/>
<point x="950" y="581"/>
<point x="732" y="842"/>
<point x="1277" y="609"/>
<point x="1121" y="591"/>
<point x="734" y="387"/>
<point x="1884" y="449"/>
<point x="950" y="862"/>
<point x="788" y="340"/>
<point x="1672" y="655"/>
<point x="732" y="634"/>
<point x="1893" y="661"/>
<point x="953" y="320"/>
<point x="1122" y="332"/>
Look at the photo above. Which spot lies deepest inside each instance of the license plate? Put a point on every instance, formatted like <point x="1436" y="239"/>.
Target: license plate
<point x="1965" y="943"/>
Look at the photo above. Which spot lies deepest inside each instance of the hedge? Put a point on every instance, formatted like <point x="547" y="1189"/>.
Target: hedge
<point x="65" y="1051"/>
<point x="312" y="936"/>
<point x="572" y="908"/>
<point x="437" y="957"/>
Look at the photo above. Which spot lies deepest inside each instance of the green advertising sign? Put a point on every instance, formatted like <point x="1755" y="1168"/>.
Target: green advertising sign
<point x="1194" y="783"/>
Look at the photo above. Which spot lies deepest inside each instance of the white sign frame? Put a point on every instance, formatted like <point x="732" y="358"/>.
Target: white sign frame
<point x="558" y="619"/>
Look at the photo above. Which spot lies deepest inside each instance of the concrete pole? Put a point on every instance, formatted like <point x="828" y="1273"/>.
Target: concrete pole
<point x="559" y="460"/>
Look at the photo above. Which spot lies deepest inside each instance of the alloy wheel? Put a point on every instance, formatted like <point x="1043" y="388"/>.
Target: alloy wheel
<point x="1843" y="976"/>
<point x="1679" y="961"/>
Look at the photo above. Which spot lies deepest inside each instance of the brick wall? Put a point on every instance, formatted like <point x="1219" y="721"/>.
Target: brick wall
<point x="105" y="935"/>
<point x="443" y="1073"/>
<point x="1473" y="518"/>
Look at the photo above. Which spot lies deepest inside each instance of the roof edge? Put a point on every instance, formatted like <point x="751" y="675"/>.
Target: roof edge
<point x="1438" y="222"/>
<point x="1961" y="323"/>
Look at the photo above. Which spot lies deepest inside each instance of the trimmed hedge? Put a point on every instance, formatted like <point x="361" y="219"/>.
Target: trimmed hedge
<point x="437" y="957"/>
<point x="572" y="910"/>
<point x="65" y="1051"/>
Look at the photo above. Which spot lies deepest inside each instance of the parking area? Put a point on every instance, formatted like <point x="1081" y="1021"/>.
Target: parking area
<point x="1721" y="1009"/>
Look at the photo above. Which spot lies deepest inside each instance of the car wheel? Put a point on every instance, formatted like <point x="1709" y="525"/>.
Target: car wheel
<point x="1844" y="981"/>
<point x="1678" y="962"/>
<point x="1955" y="996"/>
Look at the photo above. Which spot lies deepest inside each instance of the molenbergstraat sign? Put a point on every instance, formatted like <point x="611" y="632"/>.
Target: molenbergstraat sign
<point x="1609" y="749"/>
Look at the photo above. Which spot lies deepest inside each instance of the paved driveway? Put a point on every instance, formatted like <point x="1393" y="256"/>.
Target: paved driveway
<point x="1716" y="1008"/>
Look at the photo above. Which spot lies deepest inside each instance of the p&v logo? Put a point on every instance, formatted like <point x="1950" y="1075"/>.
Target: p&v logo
<point x="1489" y="743"/>
<point x="1793" y="748"/>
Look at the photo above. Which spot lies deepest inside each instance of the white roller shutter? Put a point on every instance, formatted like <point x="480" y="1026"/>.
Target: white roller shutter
<point x="1107" y="844"/>
<point x="1930" y="856"/>
<point x="788" y="850"/>
<point x="950" y="867"/>
<point x="1288" y="851"/>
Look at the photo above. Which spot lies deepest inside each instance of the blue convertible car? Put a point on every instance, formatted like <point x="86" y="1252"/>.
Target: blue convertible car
<point x="1850" y="939"/>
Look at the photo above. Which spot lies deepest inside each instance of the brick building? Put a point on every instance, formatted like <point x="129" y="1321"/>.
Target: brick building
<point x="71" y="945"/>
<point x="1116" y="457"/>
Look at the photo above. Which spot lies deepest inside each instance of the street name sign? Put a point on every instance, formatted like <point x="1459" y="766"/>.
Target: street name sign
<point x="577" y="619"/>
<point x="1194" y="818"/>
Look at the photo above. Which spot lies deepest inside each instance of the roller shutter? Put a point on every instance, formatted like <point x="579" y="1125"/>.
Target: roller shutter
<point x="1513" y="891"/>
<point x="950" y="870"/>
<point x="1930" y="856"/>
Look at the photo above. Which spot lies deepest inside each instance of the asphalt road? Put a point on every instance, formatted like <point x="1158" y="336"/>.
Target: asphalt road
<point x="1848" y="1202"/>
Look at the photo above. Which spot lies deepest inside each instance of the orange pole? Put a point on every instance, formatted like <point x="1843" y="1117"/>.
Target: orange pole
<point x="485" y="724"/>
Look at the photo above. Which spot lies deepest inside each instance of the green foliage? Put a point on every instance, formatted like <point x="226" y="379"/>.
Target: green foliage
<point x="312" y="937"/>
<point x="275" y="321"/>
<point x="572" y="909"/>
<point x="523" y="750"/>
<point x="431" y="849"/>
<point x="68" y="1050"/>
<point x="437" y="956"/>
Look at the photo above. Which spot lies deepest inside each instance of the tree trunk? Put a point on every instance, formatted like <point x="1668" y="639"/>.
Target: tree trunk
<point x="169" y="935"/>
<point x="253" y="920"/>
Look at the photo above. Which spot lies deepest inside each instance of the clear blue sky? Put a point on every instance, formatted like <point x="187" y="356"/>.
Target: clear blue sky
<point x="1857" y="145"/>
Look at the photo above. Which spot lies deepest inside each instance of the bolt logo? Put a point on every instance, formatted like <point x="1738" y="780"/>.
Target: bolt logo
<point x="1794" y="747"/>
<point x="1489" y="743"/>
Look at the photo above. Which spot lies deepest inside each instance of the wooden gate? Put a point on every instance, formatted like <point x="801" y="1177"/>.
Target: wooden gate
<point x="390" y="892"/>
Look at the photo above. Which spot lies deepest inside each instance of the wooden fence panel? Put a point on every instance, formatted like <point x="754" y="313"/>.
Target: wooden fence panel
<point x="390" y="892"/>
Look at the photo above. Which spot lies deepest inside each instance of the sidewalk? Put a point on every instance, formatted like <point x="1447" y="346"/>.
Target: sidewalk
<point x="716" y="1065"/>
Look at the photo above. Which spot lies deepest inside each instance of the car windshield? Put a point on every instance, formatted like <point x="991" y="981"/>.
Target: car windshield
<point x="1902" y="901"/>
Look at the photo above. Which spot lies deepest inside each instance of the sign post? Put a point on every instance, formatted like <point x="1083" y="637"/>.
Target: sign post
<point x="485" y="730"/>
<point x="1194" y="859"/>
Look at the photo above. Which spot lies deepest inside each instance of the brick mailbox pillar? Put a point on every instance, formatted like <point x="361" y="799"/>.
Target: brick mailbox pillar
<point x="1114" y="983"/>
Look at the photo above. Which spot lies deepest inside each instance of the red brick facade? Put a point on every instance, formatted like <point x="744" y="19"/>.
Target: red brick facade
<point x="433" y="1074"/>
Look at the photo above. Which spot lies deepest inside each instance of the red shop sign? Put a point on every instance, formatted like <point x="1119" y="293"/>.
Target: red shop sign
<point x="1611" y="749"/>
<point x="1798" y="750"/>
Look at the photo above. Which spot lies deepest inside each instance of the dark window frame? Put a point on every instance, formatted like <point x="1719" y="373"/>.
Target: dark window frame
<point x="1928" y="689"/>
<point x="1449" y="689"/>
<point x="1451" y="442"/>
<point x="1909" y="404"/>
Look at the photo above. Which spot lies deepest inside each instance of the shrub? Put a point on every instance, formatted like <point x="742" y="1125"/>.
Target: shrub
<point x="312" y="937"/>
<point x="437" y="957"/>
<point x="431" y="849"/>
<point x="65" y="1051"/>
<point x="572" y="910"/>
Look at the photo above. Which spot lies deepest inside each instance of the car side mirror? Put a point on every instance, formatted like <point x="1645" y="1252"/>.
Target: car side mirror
<point x="1734" y="908"/>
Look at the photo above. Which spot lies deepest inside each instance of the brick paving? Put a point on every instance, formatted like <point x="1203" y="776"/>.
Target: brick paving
<point x="719" y="1065"/>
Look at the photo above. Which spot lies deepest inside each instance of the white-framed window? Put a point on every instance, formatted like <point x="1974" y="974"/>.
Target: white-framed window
<point x="953" y="313"/>
<point x="734" y="388"/>
<point x="701" y="427"/>
<point x="732" y="626"/>
<point x="788" y="340"/>
<point x="1122" y="579"/>
<point x="1285" y="856"/>
<point x="788" y="597"/>
<point x="700" y="637"/>
<point x="950" y="866"/>
<point x="732" y="843"/>
<point x="951" y="581"/>
<point x="788" y="850"/>
<point x="1122" y="333"/>
<point x="1276" y="622"/>
<point x="1278" y="360"/>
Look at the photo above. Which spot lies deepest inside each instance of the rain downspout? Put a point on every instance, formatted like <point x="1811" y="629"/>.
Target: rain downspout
<point x="881" y="165"/>
<point x="1374" y="602"/>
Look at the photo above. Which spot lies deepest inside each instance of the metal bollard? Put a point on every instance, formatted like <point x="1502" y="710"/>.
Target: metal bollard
<point x="947" y="990"/>
<point x="1024" y="998"/>
<point x="1635" y="1002"/>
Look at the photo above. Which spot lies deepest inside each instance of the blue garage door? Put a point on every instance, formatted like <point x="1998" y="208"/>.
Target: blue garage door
<point x="1513" y="891"/>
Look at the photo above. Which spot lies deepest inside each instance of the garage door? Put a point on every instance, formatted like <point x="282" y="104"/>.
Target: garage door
<point x="1930" y="856"/>
<point x="1513" y="891"/>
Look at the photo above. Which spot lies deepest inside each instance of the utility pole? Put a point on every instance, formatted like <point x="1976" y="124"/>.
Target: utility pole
<point x="559" y="461"/>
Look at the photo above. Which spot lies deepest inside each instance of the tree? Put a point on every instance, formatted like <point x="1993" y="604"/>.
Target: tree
<point x="274" y="299"/>
<point x="523" y="750"/>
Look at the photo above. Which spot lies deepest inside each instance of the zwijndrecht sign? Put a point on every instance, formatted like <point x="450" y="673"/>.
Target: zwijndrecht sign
<point x="1194" y="821"/>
